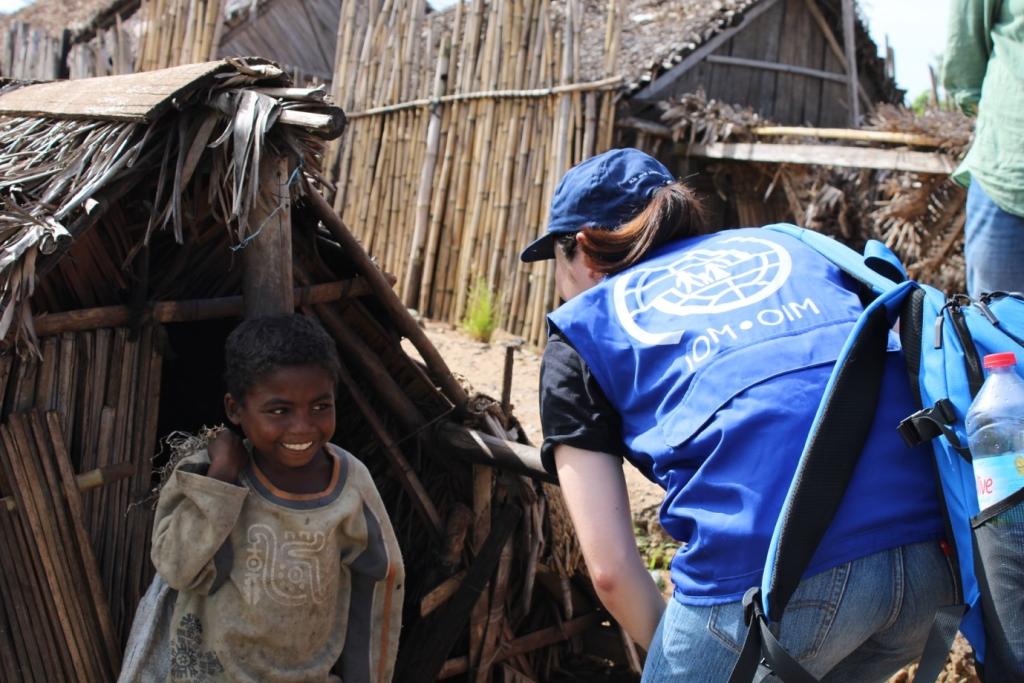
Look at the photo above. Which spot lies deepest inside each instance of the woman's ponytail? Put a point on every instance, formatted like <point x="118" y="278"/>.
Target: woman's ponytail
<point x="674" y="212"/>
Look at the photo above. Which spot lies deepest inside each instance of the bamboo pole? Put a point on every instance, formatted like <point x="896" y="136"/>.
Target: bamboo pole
<point x="416" y="259"/>
<point x="885" y="136"/>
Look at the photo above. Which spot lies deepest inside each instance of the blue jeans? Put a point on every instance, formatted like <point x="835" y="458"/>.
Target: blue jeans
<point x="858" y="622"/>
<point x="993" y="246"/>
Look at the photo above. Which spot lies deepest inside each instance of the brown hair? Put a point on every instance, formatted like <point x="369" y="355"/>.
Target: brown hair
<point x="674" y="212"/>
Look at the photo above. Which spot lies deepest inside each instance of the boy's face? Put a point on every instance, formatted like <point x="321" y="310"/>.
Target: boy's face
<point x="289" y="416"/>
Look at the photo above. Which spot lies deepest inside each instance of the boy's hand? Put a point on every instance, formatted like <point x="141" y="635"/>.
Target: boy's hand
<point x="227" y="456"/>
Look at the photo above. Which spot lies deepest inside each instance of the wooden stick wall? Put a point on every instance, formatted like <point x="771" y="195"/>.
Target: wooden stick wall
<point x="448" y="193"/>
<point x="103" y="386"/>
<point x="29" y="53"/>
<point x="54" y="605"/>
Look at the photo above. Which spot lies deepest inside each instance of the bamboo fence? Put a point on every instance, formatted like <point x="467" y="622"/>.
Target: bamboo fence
<point x="177" y="32"/>
<point x="461" y="125"/>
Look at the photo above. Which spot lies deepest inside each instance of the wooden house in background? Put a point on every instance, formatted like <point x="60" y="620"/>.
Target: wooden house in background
<point x="783" y="58"/>
<point x="300" y="35"/>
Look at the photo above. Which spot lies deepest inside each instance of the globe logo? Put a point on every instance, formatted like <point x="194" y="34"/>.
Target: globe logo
<point x="652" y="303"/>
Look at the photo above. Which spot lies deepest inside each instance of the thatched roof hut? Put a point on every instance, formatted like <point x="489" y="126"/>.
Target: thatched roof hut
<point x="140" y="217"/>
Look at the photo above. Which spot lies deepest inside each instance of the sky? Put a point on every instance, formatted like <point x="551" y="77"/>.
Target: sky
<point x="916" y="29"/>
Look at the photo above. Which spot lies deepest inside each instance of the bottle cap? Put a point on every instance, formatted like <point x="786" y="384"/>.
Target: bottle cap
<point x="1000" y="360"/>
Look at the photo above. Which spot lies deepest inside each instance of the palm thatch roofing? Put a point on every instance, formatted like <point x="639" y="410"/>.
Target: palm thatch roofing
<point x="66" y="146"/>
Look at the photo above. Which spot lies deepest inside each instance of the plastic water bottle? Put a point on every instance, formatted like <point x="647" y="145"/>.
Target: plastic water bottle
<point x="995" y="431"/>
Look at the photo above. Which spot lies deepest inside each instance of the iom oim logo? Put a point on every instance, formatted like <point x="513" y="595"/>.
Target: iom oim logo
<point x="653" y="303"/>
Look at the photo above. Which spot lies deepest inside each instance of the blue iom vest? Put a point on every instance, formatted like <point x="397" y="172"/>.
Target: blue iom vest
<point x="715" y="351"/>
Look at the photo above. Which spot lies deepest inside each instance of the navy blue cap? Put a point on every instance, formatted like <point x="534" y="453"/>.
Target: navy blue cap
<point x="604" y="192"/>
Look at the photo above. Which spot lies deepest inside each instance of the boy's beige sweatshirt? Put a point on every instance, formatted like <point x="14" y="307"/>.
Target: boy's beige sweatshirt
<point x="275" y="586"/>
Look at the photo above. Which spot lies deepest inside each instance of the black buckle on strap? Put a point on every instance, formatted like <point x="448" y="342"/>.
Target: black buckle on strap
<point x="928" y="423"/>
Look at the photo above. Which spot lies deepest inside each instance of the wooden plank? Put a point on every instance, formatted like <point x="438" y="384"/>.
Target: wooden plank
<point x="763" y="44"/>
<point x="130" y="97"/>
<point x="827" y="155"/>
<point x="662" y="86"/>
<point x="86" y="481"/>
<point x="775" y="66"/>
<point x="791" y="89"/>
<point x="832" y="109"/>
<point x="850" y="51"/>
<point x="399" y="314"/>
<point x="812" y="55"/>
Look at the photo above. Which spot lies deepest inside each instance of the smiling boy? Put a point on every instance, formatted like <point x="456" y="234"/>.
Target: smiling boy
<point x="281" y="550"/>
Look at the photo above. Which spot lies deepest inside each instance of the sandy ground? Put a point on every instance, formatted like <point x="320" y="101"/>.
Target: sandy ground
<point x="481" y="367"/>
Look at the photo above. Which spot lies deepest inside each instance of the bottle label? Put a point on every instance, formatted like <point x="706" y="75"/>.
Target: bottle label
<point x="998" y="477"/>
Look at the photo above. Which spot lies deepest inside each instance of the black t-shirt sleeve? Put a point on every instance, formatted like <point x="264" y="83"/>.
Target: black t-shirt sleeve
<point x="573" y="408"/>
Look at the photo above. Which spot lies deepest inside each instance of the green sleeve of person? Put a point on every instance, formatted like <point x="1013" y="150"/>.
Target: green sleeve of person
<point x="968" y="47"/>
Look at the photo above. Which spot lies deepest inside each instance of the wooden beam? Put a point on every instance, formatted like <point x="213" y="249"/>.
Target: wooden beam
<point x="776" y="66"/>
<point x="267" y="279"/>
<point x="661" y="87"/>
<point x="189" y="310"/>
<point x="850" y="49"/>
<point x="484" y="449"/>
<point x="827" y="155"/>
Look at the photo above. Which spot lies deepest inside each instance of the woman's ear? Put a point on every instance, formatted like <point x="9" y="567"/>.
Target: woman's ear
<point x="233" y="410"/>
<point x="593" y="273"/>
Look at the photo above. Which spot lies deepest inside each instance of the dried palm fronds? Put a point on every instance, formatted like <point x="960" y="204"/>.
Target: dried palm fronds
<point x="694" y="119"/>
<point x="57" y="175"/>
<point x="920" y="216"/>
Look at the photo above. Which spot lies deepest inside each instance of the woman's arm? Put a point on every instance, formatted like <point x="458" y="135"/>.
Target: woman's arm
<point x="594" y="489"/>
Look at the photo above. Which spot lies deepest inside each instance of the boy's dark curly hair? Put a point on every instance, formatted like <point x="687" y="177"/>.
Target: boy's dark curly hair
<point x="259" y="346"/>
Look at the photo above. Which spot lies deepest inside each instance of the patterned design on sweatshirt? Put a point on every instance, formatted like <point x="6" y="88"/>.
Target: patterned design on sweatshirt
<point x="189" y="663"/>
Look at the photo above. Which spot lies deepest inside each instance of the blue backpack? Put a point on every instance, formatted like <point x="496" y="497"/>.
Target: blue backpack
<point x="944" y="340"/>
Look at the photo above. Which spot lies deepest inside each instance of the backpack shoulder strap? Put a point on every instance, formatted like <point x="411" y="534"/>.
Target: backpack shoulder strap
<point x="878" y="268"/>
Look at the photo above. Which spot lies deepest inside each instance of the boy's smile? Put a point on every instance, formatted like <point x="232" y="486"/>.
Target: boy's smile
<point x="288" y="417"/>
